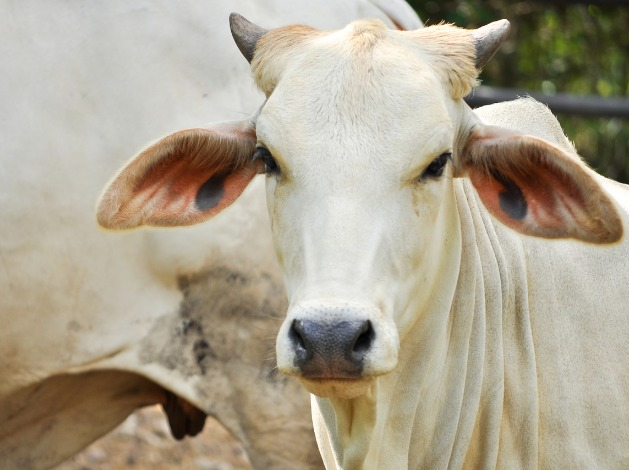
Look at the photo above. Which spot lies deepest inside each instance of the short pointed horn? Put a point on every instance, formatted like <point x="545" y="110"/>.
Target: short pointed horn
<point x="488" y="40"/>
<point x="246" y="34"/>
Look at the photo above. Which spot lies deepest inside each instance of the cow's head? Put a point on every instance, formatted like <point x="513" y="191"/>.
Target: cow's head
<point x="361" y="136"/>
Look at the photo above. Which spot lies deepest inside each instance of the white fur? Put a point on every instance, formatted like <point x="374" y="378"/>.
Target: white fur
<point x="83" y="88"/>
<point x="512" y="349"/>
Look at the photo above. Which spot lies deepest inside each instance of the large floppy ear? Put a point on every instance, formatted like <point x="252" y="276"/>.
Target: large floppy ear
<point x="183" y="179"/>
<point x="537" y="188"/>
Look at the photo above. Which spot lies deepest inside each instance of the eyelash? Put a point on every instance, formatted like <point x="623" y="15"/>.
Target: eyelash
<point x="436" y="167"/>
<point x="270" y="165"/>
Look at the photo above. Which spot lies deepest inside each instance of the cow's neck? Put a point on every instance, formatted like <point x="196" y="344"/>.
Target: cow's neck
<point x="449" y="402"/>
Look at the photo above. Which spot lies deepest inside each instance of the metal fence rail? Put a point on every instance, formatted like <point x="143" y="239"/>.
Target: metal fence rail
<point x="561" y="103"/>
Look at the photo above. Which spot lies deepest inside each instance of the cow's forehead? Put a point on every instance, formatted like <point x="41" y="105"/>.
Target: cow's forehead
<point x="398" y="136"/>
<point x="336" y="97"/>
<point x="366" y="51"/>
<point x="358" y="69"/>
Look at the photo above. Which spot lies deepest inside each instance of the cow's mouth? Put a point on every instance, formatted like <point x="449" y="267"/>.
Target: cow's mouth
<point x="344" y="388"/>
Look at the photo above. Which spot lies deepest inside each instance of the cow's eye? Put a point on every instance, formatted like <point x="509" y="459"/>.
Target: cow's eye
<point x="263" y="154"/>
<point x="435" y="169"/>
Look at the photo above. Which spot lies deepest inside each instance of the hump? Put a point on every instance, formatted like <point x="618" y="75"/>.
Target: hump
<point x="516" y="115"/>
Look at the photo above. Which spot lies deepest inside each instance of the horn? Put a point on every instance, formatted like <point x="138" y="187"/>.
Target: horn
<point x="246" y="34"/>
<point x="488" y="40"/>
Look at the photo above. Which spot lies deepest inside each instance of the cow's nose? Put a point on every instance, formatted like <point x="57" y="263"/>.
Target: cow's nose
<point x="331" y="350"/>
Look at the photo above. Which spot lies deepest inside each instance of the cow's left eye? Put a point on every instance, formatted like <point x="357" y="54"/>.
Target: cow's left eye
<point x="263" y="154"/>
<point x="435" y="169"/>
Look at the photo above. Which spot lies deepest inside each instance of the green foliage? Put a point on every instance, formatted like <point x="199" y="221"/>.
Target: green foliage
<point x="555" y="47"/>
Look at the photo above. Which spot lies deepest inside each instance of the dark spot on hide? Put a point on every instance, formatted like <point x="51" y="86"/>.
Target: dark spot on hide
<point x="227" y="318"/>
<point x="201" y="350"/>
<point x="189" y="326"/>
<point x="210" y="193"/>
<point x="512" y="199"/>
<point x="192" y="331"/>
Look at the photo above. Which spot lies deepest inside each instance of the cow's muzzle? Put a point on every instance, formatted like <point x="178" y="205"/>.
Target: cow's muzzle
<point x="331" y="350"/>
<point x="329" y="345"/>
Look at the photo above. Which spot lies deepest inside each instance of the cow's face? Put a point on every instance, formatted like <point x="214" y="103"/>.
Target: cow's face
<point x="357" y="138"/>
<point x="361" y="135"/>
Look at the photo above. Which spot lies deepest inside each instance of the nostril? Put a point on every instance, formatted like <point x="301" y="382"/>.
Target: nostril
<point x="341" y="346"/>
<point x="364" y="339"/>
<point x="296" y="334"/>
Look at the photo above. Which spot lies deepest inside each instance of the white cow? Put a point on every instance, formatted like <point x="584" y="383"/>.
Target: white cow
<point x="96" y="324"/>
<point x="457" y="289"/>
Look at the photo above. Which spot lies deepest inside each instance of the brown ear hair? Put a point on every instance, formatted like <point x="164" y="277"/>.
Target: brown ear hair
<point x="183" y="179"/>
<point x="537" y="188"/>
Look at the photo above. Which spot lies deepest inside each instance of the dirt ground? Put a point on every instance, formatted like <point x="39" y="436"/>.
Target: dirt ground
<point x="143" y="441"/>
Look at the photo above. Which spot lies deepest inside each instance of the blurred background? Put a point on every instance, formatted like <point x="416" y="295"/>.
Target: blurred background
<point x="573" y="55"/>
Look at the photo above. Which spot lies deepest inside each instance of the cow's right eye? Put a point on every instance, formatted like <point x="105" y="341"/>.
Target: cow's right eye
<point x="435" y="169"/>
<point x="270" y="165"/>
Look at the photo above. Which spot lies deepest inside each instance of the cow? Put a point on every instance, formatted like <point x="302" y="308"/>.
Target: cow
<point x="94" y="324"/>
<point x="457" y="281"/>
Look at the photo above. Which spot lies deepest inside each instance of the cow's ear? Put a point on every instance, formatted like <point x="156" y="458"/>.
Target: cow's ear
<point x="537" y="188"/>
<point x="183" y="179"/>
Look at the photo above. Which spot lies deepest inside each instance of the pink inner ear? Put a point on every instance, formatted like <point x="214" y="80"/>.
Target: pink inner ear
<point x="537" y="189"/>
<point x="541" y="201"/>
<point x="171" y="183"/>
<point x="183" y="179"/>
<point x="179" y="198"/>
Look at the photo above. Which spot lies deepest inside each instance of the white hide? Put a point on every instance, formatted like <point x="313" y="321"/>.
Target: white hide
<point x="522" y="371"/>
<point x="512" y="348"/>
<point x="87" y="316"/>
